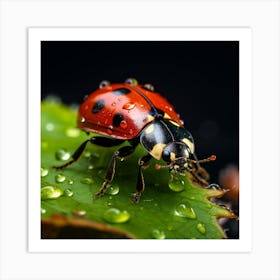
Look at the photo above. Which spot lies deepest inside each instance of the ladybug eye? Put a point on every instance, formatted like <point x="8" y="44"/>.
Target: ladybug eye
<point x="104" y="83"/>
<point x="166" y="156"/>
<point x="131" y="81"/>
<point x="149" y="87"/>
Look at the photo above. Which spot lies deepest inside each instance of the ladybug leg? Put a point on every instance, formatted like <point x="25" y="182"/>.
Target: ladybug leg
<point x="74" y="157"/>
<point x="140" y="178"/>
<point x="120" y="153"/>
<point x="100" y="141"/>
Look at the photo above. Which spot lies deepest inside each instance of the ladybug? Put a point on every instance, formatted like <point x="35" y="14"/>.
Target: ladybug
<point x="139" y="115"/>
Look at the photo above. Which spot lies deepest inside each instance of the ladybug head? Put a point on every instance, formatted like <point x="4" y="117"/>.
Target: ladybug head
<point x="177" y="156"/>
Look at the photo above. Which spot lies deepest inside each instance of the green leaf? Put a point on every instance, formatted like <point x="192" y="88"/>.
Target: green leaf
<point x="68" y="209"/>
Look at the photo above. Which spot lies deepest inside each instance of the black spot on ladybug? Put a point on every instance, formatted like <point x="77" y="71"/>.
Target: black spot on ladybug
<point x="117" y="119"/>
<point x="98" y="106"/>
<point x="121" y="91"/>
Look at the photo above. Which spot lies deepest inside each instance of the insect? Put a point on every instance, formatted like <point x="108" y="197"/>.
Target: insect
<point x="137" y="114"/>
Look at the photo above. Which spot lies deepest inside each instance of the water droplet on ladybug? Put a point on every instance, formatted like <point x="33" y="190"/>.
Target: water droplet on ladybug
<point x="130" y="131"/>
<point x="131" y="81"/>
<point x="123" y="124"/>
<point x="104" y="83"/>
<point x="116" y="216"/>
<point x="110" y="129"/>
<point x="128" y="106"/>
<point x="114" y="104"/>
<point x="82" y="120"/>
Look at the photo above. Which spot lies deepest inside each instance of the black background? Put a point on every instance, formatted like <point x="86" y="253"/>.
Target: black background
<point x="201" y="80"/>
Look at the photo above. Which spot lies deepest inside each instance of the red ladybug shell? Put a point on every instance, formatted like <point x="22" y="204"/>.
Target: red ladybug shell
<point x="122" y="110"/>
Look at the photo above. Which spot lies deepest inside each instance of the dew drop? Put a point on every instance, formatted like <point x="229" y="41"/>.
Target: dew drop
<point x="87" y="154"/>
<point x="68" y="192"/>
<point x="87" y="180"/>
<point x="130" y="131"/>
<point x="116" y="216"/>
<point x="49" y="126"/>
<point x="70" y="182"/>
<point x="113" y="190"/>
<point x="59" y="178"/>
<point x="44" y="172"/>
<point x="214" y="187"/>
<point x="158" y="234"/>
<point x="201" y="228"/>
<point x="176" y="185"/>
<point x="79" y="213"/>
<point x="43" y="211"/>
<point x="73" y="132"/>
<point x="82" y="119"/>
<point x="123" y="124"/>
<point x="110" y="129"/>
<point x="90" y="167"/>
<point x="183" y="210"/>
<point x="62" y="154"/>
<point x="129" y="106"/>
<point x="50" y="192"/>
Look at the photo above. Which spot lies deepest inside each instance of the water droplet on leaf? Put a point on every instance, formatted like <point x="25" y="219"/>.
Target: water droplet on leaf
<point x="59" y="178"/>
<point x="158" y="234"/>
<point x="51" y="192"/>
<point x="79" y="213"/>
<point x="183" y="210"/>
<point x="114" y="215"/>
<point x="68" y="192"/>
<point x="44" y="172"/>
<point x="87" y="180"/>
<point x="62" y="154"/>
<point x="201" y="228"/>
<point x="113" y="190"/>
<point x="176" y="185"/>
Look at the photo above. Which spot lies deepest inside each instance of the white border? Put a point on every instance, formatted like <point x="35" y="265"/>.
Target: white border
<point x="243" y="35"/>
<point x="262" y="262"/>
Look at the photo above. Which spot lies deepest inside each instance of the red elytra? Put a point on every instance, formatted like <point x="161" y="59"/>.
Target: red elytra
<point x="122" y="110"/>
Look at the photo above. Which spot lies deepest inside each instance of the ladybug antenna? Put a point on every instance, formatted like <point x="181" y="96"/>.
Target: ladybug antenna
<point x="159" y="166"/>
<point x="211" y="158"/>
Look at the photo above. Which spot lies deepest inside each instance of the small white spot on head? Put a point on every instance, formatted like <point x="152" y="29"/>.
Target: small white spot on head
<point x="150" y="129"/>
